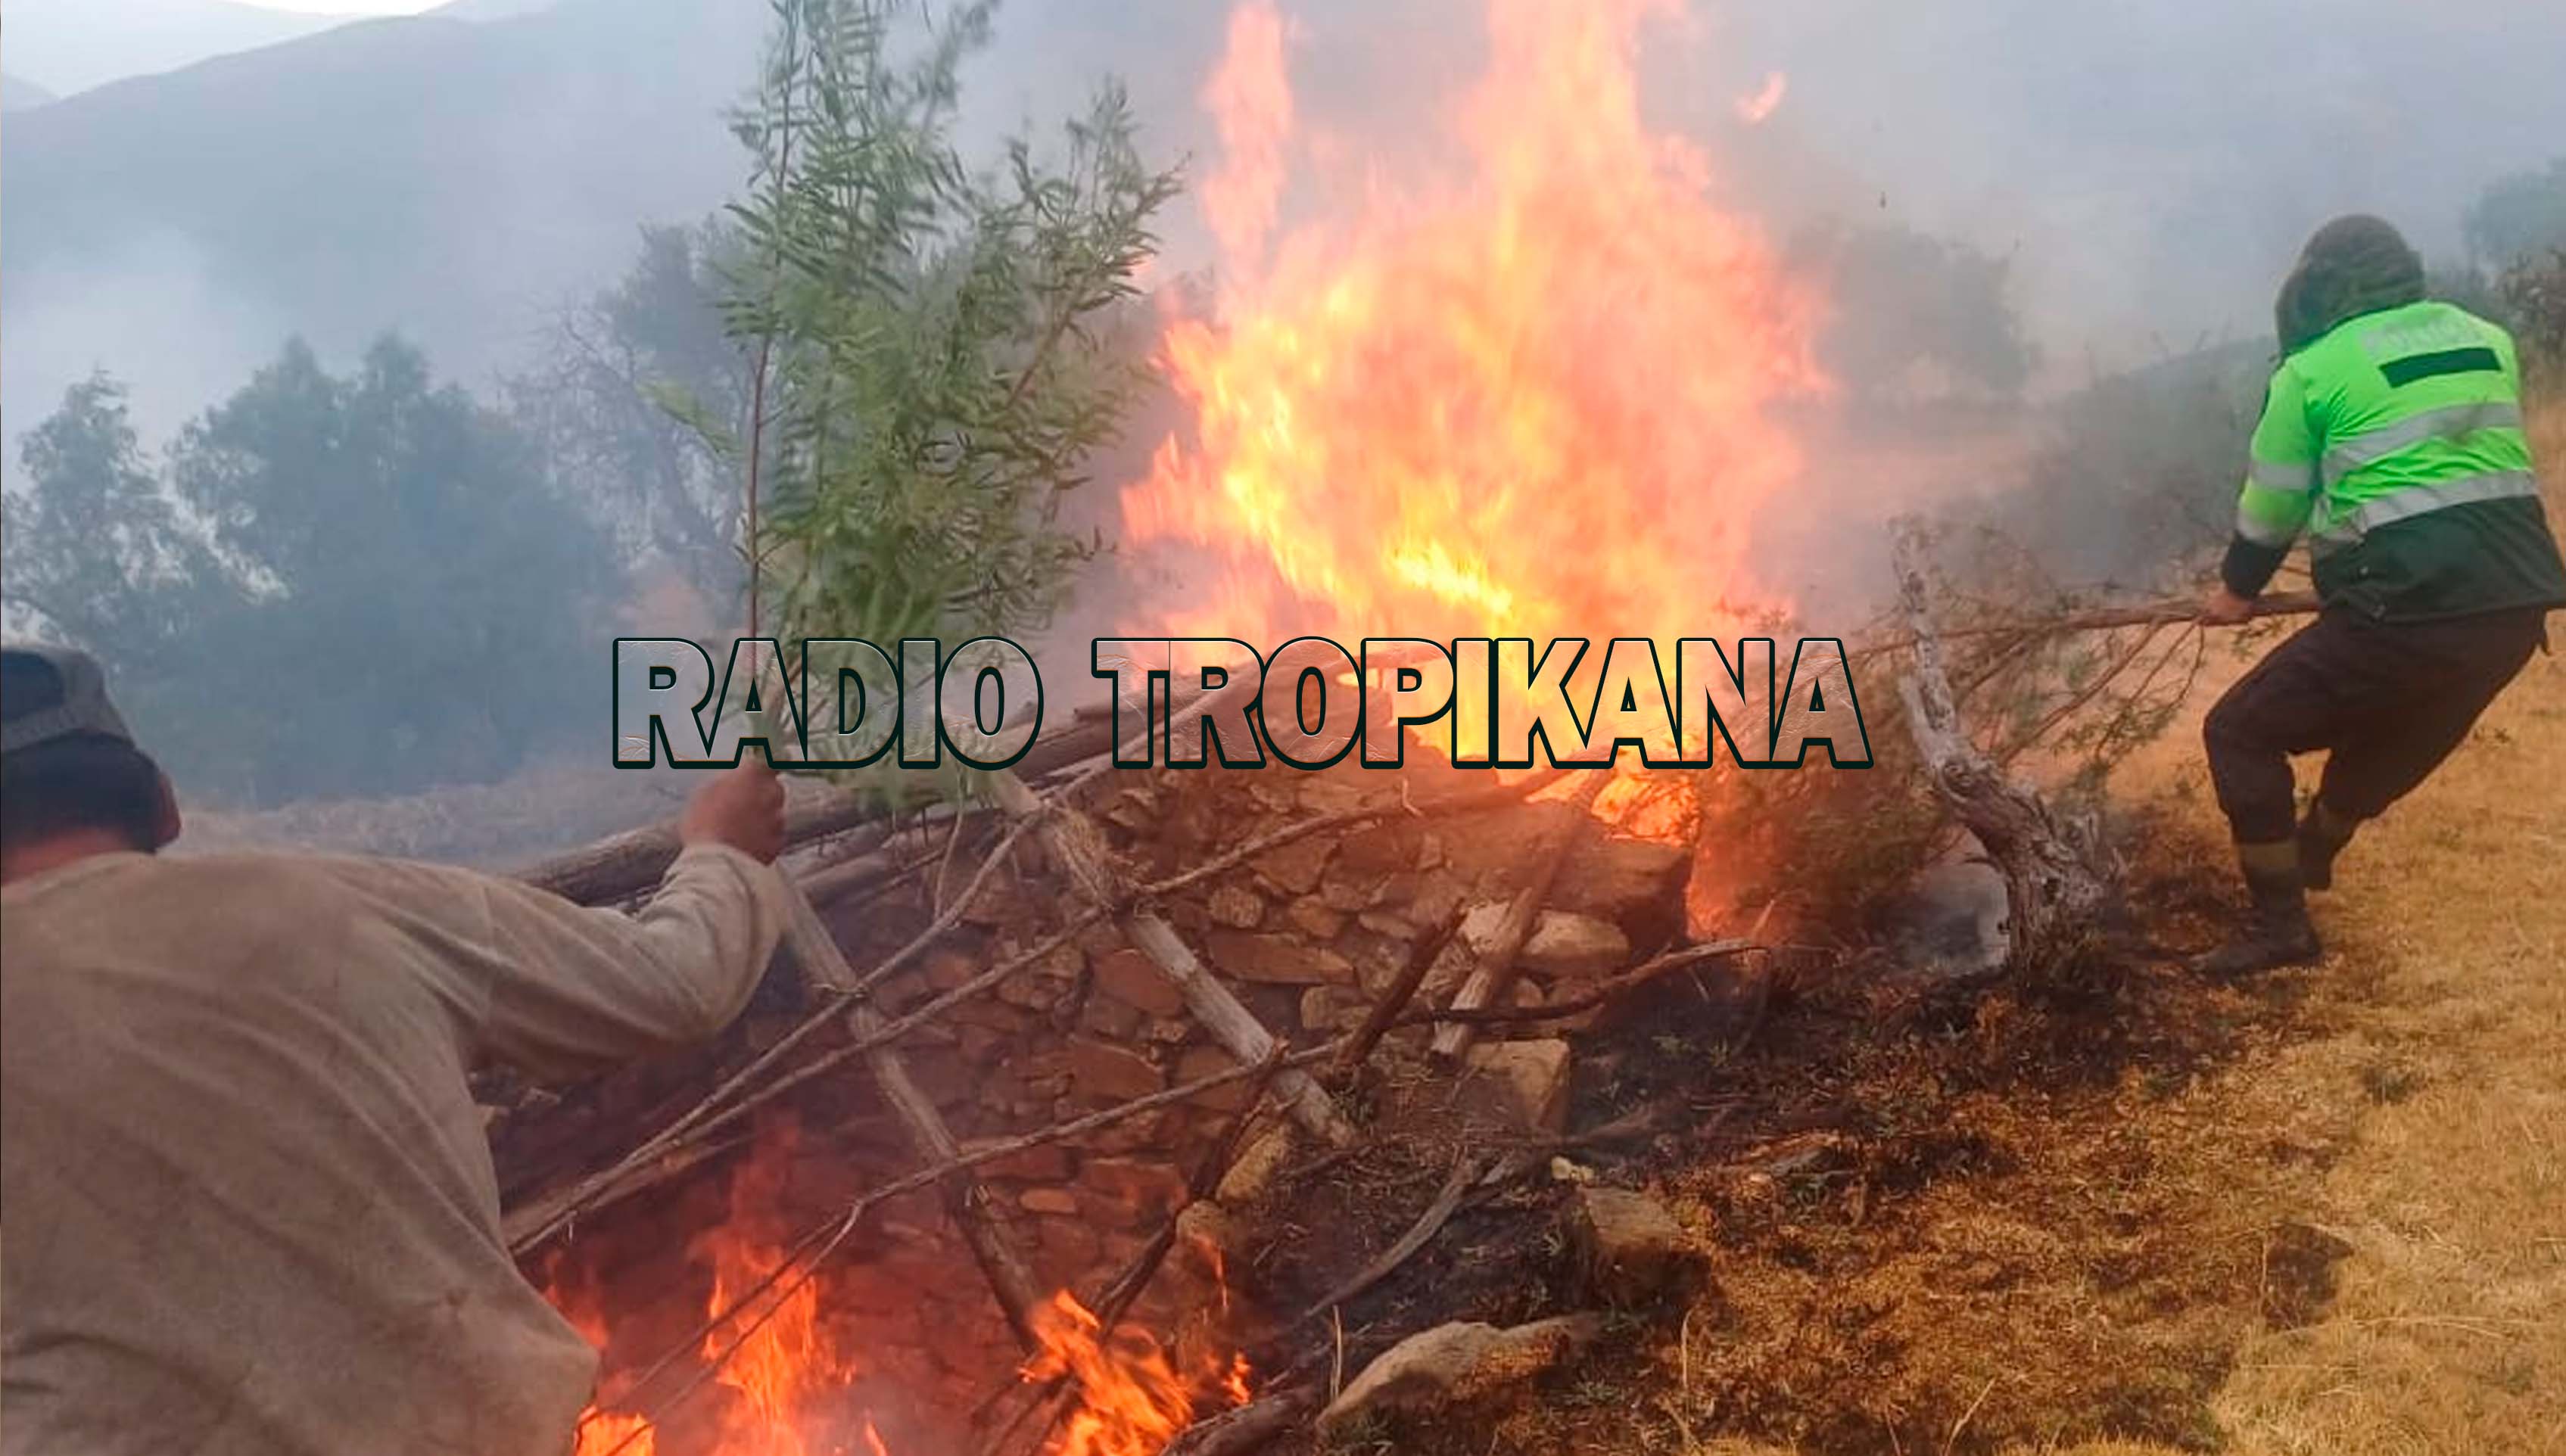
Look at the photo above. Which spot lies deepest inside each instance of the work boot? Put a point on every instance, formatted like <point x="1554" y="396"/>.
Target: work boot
<point x="2277" y="931"/>
<point x="2322" y="835"/>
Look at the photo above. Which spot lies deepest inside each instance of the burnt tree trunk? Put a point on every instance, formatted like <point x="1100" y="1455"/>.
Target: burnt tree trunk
<point x="2051" y="881"/>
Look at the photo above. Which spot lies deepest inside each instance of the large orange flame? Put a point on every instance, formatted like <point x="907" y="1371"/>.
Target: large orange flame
<point x="786" y="1374"/>
<point x="1532" y="401"/>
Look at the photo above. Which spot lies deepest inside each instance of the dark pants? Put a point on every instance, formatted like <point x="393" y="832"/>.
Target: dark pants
<point x="2391" y="700"/>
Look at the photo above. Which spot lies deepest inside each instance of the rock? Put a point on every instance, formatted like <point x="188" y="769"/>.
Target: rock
<point x="1296" y="867"/>
<point x="1056" y="1201"/>
<point x="1129" y="977"/>
<point x="1106" y="1073"/>
<point x="1151" y="1187"/>
<point x="1314" y="918"/>
<point x="1350" y="892"/>
<point x="1332" y="1009"/>
<point x="1198" y="1063"/>
<point x="1207" y="1237"/>
<point x="1237" y="906"/>
<point x="1630" y="1250"/>
<point x="1456" y="1362"/>
<point x="1252" y="1175"/>
<point x="1614" y="878"/>
<point x="1273" y="960"/>
<point x="1045" y="1162"/>
<point x="1564" y="943"/>
<point x="1522" y="1084"/>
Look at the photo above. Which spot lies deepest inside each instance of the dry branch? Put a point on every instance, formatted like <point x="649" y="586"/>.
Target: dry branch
<point x="2050" y="877"/>
<point x="1010" y="1278"/>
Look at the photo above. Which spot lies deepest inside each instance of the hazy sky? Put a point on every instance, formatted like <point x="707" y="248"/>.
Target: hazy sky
<point x="348" y="7"/>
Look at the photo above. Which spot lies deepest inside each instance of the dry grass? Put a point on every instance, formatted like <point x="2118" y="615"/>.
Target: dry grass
<point x="2400" y="1109"/>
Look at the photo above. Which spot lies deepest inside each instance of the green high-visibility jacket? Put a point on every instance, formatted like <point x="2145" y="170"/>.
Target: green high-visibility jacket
<point x="2394" y="441"/>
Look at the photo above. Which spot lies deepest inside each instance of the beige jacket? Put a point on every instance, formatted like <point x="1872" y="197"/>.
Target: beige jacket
<point x="248" y="1202"/>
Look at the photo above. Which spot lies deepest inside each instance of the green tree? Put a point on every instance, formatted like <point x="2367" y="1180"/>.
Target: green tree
<point x="338" y="585"/>
<point x="935" y="350"/>
<point x="97" y="554"/>
<point x="2520" y="216"/>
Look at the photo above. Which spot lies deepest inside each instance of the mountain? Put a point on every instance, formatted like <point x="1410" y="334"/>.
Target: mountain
<point x="454" y="179"/>
<point x="16" y="95"/>
<point x="70" y="46"/>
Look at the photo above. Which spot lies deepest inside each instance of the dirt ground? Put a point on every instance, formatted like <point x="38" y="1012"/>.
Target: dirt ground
<point x="2123" y="1212"/>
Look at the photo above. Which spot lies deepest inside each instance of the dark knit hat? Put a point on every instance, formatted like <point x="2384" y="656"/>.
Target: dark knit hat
<point x="49" y="693"/>
<point x="2354" y="264"/>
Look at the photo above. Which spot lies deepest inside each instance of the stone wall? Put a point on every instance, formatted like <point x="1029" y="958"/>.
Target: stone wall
<point x="1307" y="936"/>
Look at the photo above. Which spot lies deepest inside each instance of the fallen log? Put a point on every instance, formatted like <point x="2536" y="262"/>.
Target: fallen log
<point x="630" y="864"/>
<point x="2050" y="874"/>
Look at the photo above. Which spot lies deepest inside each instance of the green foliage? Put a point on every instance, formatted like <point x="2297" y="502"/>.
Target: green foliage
<point x="2520" y="216"/>
<point x="936" y="348"/>
<point x="335" y="585"/>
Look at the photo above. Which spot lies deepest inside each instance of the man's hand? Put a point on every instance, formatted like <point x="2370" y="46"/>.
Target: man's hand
<point x="2222" y="607"/>
<point x="743" y="808"/>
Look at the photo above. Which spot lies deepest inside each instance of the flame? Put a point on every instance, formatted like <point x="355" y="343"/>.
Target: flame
<point x="786" y="1371"/>
<point x="1531" y="401"/>
<point x="783" y="1360"/>
<point x="1132" y="1402"/>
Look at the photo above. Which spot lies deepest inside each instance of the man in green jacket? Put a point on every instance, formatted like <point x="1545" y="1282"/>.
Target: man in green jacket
<point x="2392" y="438"/>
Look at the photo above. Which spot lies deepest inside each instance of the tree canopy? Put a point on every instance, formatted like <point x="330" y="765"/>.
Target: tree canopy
<point x="332" y="585"/>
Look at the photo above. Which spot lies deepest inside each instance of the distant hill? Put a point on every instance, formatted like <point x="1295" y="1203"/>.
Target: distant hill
<point x="68" y="46"/>
<point x="16" y="95"/>
<point x="454" y="179"/>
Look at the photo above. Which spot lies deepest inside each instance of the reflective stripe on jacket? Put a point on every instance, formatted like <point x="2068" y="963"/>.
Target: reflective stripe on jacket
<point x="2395" y="443"/>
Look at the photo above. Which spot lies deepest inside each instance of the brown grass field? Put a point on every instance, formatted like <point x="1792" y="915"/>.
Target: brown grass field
<point x="2319" y="1214"/>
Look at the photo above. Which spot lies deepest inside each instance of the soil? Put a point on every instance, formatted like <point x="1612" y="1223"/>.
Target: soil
<point x="1947" y="1214"/>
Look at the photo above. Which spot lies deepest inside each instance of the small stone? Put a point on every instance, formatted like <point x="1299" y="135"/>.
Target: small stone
<point x="1457" y="1362"/>
<point x="1046" y="1162"/>
<point x="1056" y="1201"/>
<point x="1522" y="1084"/>
<point x="1630" y="1251"/>
<point x="1197" y="1063"/>
<point x="1563" y="943"/>
<point x="1314" y="918"/>
<point x="1351" y="892"/>
<point x="1332" y="1009"/>
<point x="1237" y="906"/>
<point x="1253" y="1174"/>
<point x="1273" y="960"/>
<point x="1296" y="867"/>
<point x="1151" y="1187"/>
<point x="1102" y="1072"/>
<point x="1129" y="977"/>
<point x="1109" y="1018"/>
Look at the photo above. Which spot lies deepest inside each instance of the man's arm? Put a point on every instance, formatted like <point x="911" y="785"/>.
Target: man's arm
<point x="572" y="987"/>
<point x="2280" y="492"/>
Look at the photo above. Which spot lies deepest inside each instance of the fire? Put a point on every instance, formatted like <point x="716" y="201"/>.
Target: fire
<point x="1132" y="1400"/>
<point x="787" y="1378"/>
<point x="785" y="1369"/>
<point x="784" y="1362"/>
<point x="1536" y="399"/>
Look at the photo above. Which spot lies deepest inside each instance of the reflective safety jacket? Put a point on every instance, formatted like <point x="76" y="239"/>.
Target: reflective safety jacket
<point x="2394" y="441"/>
